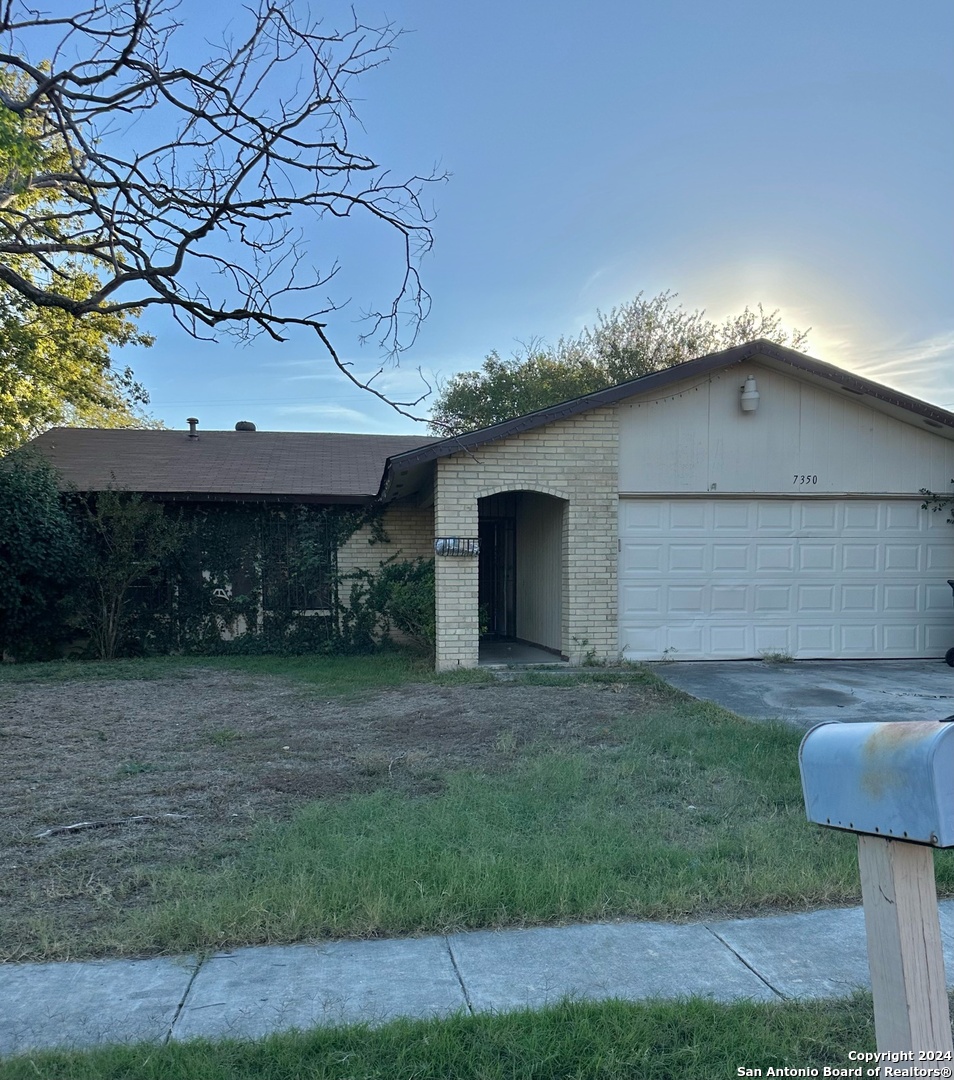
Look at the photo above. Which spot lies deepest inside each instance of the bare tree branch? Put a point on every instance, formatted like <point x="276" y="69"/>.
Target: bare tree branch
<point x="199" y="190"/>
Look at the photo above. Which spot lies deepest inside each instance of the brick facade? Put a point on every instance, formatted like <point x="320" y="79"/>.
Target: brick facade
<point x="410" y="535"/>
<point x="574" y="460"/>
<point x="410" y="532"/>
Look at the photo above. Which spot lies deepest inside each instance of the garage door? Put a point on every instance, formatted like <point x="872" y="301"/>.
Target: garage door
<point x="707" y="579"/>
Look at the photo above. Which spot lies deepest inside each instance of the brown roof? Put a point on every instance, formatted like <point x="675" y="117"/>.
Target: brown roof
<point x="271" y="465"/>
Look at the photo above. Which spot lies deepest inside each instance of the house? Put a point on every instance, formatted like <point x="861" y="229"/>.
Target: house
<point x="270" y="510"/>
<point x="751" y="501"/>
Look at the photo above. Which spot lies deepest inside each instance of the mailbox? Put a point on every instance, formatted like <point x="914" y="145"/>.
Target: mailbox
<point x="894" y="780"/>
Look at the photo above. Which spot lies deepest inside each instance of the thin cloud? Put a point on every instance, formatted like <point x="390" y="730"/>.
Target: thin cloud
<point x="921" y="368"/>
<point x="326" y="412"/>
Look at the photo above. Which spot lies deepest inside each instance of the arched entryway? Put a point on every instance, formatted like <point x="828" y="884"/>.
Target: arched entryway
<point x="521" y="569"/>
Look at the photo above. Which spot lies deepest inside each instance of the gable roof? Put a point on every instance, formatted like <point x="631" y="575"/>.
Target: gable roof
<point x="284" y="466"/>
<point x="776" y="356"/>
<point x="325" y="467"/>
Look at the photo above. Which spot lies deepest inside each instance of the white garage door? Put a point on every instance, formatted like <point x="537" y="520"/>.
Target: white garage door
<point x="715" y="579"/>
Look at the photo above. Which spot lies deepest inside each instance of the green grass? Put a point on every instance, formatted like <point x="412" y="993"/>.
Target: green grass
<point x="333" y="674"/>
<point x="686" y="1040"/>
<point x="686" y="812"/>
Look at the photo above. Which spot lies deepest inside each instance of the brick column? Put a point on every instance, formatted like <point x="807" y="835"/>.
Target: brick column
<point x="455" y="514"/>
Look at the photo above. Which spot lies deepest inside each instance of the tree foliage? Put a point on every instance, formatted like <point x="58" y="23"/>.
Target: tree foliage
<point x="197" y="189"/>
<point x="55" y="367"/>
<point x="645" y="335"/>
<point x="39" y="558"/>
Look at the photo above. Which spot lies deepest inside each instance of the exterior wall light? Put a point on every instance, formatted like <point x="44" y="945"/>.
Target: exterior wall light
<point x="750" y="395"/>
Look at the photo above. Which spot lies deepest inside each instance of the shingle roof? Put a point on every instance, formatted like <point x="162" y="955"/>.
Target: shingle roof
<point x="289" y="465"/>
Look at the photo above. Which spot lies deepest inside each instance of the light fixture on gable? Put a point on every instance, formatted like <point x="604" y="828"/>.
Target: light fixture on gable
<point x="750" y="394"/>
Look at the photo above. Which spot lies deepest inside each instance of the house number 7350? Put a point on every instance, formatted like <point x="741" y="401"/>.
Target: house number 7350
<point x="799" y="479"/>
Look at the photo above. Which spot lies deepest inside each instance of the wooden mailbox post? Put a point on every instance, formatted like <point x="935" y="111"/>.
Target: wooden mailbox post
<point x="893" y="785"/>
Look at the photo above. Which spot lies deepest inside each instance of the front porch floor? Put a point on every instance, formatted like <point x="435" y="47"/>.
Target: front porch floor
<point x="503" y="653"/>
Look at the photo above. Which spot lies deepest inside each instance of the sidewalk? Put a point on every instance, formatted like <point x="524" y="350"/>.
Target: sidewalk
<point x="251" y="992"/>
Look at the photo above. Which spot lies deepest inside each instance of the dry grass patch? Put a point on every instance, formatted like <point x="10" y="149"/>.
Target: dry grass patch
<point x="225" y="751"/>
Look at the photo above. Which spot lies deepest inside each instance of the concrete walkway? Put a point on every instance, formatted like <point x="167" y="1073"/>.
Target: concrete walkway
<point x="251" y="992"/>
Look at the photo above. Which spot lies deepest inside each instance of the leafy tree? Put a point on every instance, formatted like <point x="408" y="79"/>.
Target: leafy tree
<point x="39" y="558"/>
<point x="196" y="189"/>
<point x="634" y="339"/>
<point x="54" y="366"/>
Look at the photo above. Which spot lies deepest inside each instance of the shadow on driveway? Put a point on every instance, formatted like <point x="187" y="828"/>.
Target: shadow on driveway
<point x="806" y="692"/>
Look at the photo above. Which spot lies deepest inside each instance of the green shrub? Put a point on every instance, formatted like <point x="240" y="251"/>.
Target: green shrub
<point x="408" y="599"/>
<point x="39" y="559"/>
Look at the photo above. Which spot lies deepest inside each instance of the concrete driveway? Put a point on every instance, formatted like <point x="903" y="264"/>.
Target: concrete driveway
<point x="806" y="692"/>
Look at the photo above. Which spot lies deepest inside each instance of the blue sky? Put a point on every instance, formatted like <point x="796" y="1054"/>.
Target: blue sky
<point x="796" y="153"/>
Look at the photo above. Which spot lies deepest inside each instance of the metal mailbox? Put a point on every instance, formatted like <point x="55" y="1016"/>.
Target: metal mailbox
<point x="894" y="780"/>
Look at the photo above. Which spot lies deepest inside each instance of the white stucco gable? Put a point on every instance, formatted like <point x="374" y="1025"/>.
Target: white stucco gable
<point x="803" y="439"/>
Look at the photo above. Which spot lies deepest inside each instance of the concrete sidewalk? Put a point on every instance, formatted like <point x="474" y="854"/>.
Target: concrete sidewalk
<point x="251" y="992"/>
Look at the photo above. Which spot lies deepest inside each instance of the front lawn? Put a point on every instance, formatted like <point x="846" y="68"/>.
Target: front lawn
<point x="249" y="805"/>
<point x="677" y="810"/>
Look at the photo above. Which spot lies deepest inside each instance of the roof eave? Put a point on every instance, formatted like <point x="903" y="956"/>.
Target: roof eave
<point x="656" y="380"/>
<point x="250" y="497"/>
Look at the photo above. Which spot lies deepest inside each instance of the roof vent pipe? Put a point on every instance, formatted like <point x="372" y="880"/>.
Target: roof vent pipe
<point x="192" y="421"/>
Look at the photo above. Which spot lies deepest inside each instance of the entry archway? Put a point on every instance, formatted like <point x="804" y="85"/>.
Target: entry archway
<point x="521" y="579"/>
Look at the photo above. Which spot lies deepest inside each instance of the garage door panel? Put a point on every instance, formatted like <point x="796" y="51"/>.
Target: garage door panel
<point x="732" y="516"/>
<point x="939" y="559"/>
<point x="687" y="557"/>
<point x="644" y="599"/>
<point x="820" y="638"/>
<point x="688" y="515"/>
<point x="642" y="640"/>
<point x="771" y="638"/>
<point x="859" y="640"/>
<point x="816" y="598"/>
<point x="859" y="598"/>
<point x="817" y="557"/>
<point x="819" y="516"/>
<point x="902" y="557"/>
<point x="860" y="558"/>
<point x="938" y="598"/>
<point x="687" y="599"/>
<point x="730" y="556"/>
<point x="732" y="578"/>
<point x="685" y="640"/>
<point x="903" y="598"/>
<point x="727" y="642"/>
<point x="862" y="517"/>
<point x="729" y="598"/>
<point x="775" y="556"/>
<point x="642" y="515"/>
<point x="643" y="557"/>
<point x="903" y="638"/>
<point x="774" y="516"/>
<point x="906" y="516"/>
<point x="773" y="598"/>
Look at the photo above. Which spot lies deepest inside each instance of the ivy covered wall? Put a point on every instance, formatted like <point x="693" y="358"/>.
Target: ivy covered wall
<point x="256" y="577"/>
